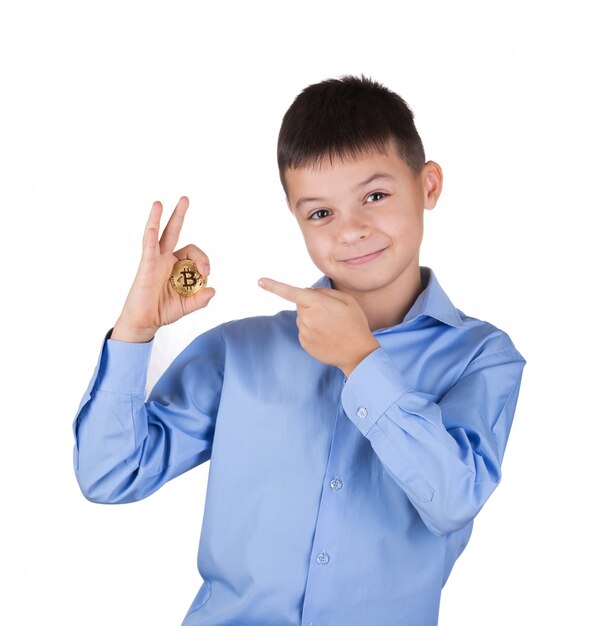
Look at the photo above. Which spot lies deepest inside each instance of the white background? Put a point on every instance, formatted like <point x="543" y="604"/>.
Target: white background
<point x="107" y="107"/>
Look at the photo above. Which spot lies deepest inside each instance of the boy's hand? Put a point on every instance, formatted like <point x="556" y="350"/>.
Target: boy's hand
<point x="152" y="301"/>
<point x="332" y="326"/>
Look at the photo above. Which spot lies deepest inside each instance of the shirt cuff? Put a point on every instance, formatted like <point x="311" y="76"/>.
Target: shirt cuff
<point x="123" y="365"/>
<point x="372" y="387"/>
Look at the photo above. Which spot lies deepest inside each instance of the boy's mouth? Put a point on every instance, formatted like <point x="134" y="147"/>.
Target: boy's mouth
<point x="359" y="260"/>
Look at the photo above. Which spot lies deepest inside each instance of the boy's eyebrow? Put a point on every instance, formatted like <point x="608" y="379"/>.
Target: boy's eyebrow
<point x="373" y="177"/>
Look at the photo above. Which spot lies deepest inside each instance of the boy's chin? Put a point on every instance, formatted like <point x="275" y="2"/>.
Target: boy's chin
<point x="360" y="285"/>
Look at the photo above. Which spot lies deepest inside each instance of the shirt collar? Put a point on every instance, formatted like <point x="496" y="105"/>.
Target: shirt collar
<point x="432" y="301"/>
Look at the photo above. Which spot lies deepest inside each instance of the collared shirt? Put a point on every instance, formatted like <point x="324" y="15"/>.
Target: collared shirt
<point x="330" y="502"/>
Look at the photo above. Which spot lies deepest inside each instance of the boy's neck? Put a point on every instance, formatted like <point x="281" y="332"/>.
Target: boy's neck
<point x="389" y="306"/>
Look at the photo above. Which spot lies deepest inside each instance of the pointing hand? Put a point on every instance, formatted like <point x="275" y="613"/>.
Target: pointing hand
<point x="332" y="325"/>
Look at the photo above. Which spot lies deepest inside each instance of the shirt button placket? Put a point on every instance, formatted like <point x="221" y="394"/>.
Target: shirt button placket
<point x="328" y="520"/>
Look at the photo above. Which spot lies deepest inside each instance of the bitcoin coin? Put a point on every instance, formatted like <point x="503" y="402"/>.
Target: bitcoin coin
<point x="186" y="279"/>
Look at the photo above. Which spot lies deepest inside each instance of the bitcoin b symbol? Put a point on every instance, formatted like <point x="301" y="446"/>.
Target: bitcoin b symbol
<point x="185" y="278"/>
<point x="189" y="279"/>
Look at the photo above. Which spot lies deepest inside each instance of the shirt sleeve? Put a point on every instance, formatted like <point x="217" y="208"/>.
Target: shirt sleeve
<point x="446" y="455"/>
<point x="125" y="447"/>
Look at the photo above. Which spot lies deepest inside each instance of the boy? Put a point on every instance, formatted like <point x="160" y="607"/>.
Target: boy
<point x="352" y="440"/>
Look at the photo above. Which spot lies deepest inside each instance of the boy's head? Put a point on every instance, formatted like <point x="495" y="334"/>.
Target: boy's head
<point x="346" y="117"/>
<point x="364" y="129"/>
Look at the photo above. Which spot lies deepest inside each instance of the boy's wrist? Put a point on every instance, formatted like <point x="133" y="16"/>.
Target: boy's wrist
<point x="121" y="332"/>
<point x="366" y="349"/>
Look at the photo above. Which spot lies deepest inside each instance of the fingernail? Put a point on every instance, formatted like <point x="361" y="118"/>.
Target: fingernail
<point x="261" y="282"/>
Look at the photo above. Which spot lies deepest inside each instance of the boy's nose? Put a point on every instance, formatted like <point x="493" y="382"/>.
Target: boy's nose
<point x="352" y="228"/>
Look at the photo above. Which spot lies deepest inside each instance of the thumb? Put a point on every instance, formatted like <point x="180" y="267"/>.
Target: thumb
<point x="199" y="300"/>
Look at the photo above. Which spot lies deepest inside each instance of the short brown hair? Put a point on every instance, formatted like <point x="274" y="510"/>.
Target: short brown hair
<point x="346" y="117"/>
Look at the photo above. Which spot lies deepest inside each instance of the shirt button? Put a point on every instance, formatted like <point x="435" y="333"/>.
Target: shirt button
<point x="323" y="558"/>
<point x="362" y="411"/>
<point x="336" y="484"/>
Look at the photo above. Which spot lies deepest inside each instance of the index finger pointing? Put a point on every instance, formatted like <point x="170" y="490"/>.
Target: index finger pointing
<point x="297" y="295"/>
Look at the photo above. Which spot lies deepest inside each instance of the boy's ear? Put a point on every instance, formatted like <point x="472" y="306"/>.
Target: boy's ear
<point x="432" y="183"/>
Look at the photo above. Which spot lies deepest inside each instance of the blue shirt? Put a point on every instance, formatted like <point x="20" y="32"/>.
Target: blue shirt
<point x="330" y="502"/>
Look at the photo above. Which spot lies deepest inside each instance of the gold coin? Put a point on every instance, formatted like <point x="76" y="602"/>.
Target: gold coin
<point x="186" y="279"/>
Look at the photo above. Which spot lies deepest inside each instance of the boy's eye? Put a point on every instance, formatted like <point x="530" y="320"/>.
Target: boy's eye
<point x="318" y="215"/>
<point x="377" y="193"/>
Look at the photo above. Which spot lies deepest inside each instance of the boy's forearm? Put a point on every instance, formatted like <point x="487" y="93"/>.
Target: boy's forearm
<point x="127" y="447"/>
<point x="445" y="455"/>
<point x="104" y="425"/>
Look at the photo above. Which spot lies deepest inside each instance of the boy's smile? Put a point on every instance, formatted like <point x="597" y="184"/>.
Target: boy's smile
<point x="362" y="222"/>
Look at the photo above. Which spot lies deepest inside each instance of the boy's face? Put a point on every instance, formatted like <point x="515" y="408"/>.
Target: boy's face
<point x="364" y="235"/>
